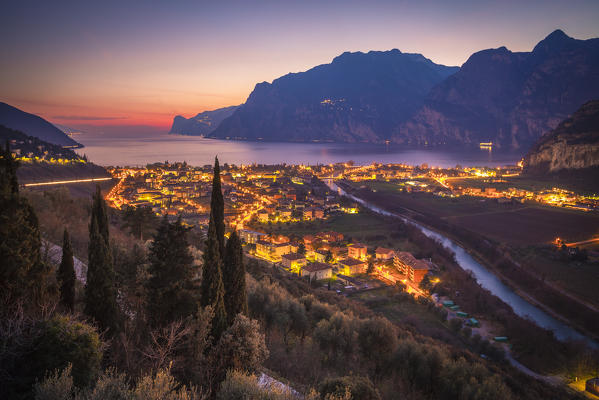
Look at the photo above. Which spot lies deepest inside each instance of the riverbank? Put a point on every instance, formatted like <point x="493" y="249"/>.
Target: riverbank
<point x="493" y="263"/>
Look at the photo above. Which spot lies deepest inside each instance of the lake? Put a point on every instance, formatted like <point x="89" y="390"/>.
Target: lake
<point x="130" y="151"/>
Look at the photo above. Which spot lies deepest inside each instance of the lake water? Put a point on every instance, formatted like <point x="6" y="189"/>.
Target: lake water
<point x="199" y="151"/>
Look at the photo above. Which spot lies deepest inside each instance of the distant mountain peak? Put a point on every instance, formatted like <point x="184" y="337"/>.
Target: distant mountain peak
<point x="554" y="42"/>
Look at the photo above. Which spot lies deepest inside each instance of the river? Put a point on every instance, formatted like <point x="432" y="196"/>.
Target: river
<point x="487" y="279"/>
<point x="140" y="150"/>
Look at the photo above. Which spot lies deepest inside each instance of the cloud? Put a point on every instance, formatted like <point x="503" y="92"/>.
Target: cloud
<point x="86" y="118"/>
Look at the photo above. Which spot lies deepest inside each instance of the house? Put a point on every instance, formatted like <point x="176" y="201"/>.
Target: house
<point x="317" y="271"/>
<point x="263" y="216"/>
<point x="592" y="386"/>
<point x="308" y="213"/>
<point x="383" y="253"/>
<point x="352" y="266"/>
<point x="357" y="251"/>
<point x="330" y="237"/>
<point x="318" y="213"/>
<point x="320" y="255"/>
<point x="293" y="261"/>
<point x="272" y="251"/>
<point x="249" y="236"/>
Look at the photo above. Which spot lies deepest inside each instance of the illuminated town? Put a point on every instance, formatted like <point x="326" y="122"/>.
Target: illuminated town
<point x="258" y="197"/>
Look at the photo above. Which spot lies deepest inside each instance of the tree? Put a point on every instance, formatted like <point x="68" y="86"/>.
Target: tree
<point x="370" y="269"/>
<point x="139" y="220"/>
<point x="301" y="249"/>
<point x="212" y="290"/>
<point x="24" y="278"/>
<point x="217" y="208"/>
<point x="171" y="289"/>
<point x="51" y="345"/>
<point x="328" y="257"/>
<point x="66" y="274"/>
<point x="241" y="347"/>
<point x="100" y="291"/>
<point x="234" y="279"/>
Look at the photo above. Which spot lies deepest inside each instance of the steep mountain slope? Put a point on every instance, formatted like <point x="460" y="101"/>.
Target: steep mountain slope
<point x="33" y="125"/>
<point x="203" y="123"/>
<point x="358" y="97"/>
<point x="508" y="98"/>
<point x="573" y="145"/>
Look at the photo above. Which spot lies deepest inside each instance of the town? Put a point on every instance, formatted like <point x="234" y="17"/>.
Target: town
<point x="259" y="197"/>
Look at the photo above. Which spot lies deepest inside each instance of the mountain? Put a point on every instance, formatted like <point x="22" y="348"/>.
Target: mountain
<point x="33" y="125"/>
<point x="357" y="97"/>
<point x="203" y="123"/>
<point x="508" y="98"/>
<point x="573" y="145"/>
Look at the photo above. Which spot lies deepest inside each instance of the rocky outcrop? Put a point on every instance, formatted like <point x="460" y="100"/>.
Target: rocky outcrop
<point x="359" y="97"/>
<point x="202" y="124"/>
<point x="573" y="145"/>
<point x="508" y="98"/>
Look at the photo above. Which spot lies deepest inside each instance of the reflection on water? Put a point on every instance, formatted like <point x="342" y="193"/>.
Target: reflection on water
<point x="200" y="151"/>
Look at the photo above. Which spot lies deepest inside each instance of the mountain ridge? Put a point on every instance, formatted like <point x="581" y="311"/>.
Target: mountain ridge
<point x="34" y="125"/>
<point x="509" y="98"/>
<point x="355" y="98"/>
<point x="202" y="123"/>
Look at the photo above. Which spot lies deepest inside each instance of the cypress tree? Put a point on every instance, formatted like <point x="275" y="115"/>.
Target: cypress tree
<point x="217" y="208"/>
<point x="212" y="290"/>
<point x="66" y="274"/>
<point x="171" y="293"/>
<point x="24" y="278"/>
<point x="100" y="291"/>
<point x="234" y="279"/>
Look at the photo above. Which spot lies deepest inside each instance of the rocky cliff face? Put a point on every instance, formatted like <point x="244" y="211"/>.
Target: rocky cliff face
<point x="202" y="124"/>
<point x="358" y="97"/>
<point x="573" y="145"/>
<point x="508" y="98"/>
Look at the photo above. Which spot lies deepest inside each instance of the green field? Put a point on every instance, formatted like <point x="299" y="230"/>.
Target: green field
<point x="406" y="313"/>
<point x="528" y="223"/>
<point x="578" y="278"/>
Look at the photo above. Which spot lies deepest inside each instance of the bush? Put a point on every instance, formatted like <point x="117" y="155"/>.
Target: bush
<point x="360" y="388"/>
<point x="241" y="386"/>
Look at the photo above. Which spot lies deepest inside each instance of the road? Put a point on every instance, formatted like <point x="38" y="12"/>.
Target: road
<point x="67" y="182"/>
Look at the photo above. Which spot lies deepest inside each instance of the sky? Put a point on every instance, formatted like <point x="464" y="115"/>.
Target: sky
<point x="133" y="65"/>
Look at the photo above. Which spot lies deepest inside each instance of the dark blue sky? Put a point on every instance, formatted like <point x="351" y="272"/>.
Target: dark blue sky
<point x="139" y="63"/>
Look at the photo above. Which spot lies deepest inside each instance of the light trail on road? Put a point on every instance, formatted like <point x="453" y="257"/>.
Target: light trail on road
<point x="66" y="182"/>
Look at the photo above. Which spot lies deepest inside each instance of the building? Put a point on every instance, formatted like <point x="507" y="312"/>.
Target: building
<point x="352" y="266"/>
<point x="272" y="251"/>
<point x="592" y="386"/>
<point x="357" y="251"/>
<point x="320" y="255"/>
<point x="384" y="253"/>
<point x="413" y="269"/>
<point x="317" y="271"/>
<point x="249" y="236"/>
<point x="402" y="261"/>
<point x="263" y="216"/>
<point x="293" y="261"/>
<point x="418" y="271"/>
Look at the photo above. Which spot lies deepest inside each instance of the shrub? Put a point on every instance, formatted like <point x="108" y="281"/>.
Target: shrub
<point x="360" y="388"/>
